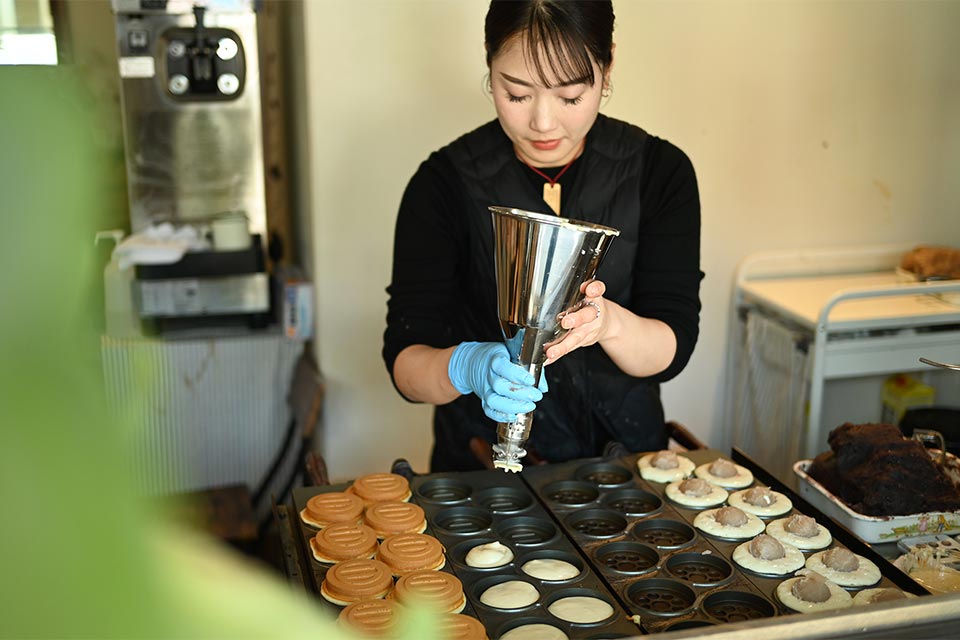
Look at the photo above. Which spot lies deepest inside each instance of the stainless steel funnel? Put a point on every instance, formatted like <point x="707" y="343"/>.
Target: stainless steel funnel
<point x="541" y="262"/>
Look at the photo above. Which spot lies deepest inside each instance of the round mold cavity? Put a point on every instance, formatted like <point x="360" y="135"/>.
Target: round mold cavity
<point x="661" y="597"/>
<point x="631" y="558"/>
<point x="571" y="493"/>
<point x="699" y="569"/>
<point x="503" y="500"/>
<point x="581" y="593"/>
<point x="688" y="624"/>
<point x="549" y="554"/>
<point x="513" y="623"/>
<point x="604" y="474"/>
<point x="458" y="554"/>
<point x="664" y="534"/>
<point x="477" y="589"/>
<point x="444" y="491"/>
<point x="736" y="606"/>
<point x="462" y="520"/>
<point x="632" y="502"/>
<point x="526" y="531"/>
<point x="597" y="523"/>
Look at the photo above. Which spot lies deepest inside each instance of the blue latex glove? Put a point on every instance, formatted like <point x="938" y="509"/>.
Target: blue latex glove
<point x="504" y="388"/>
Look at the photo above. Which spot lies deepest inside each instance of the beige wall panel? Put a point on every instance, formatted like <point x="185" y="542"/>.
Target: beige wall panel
<point x="809" y="124"/>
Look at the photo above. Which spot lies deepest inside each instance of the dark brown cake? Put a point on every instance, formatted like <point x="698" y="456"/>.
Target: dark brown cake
<point x="878" y="472"/>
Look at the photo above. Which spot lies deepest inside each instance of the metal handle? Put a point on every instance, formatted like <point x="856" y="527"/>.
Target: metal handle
<point x="941" y="365"/>
<point x="925" y="436"/>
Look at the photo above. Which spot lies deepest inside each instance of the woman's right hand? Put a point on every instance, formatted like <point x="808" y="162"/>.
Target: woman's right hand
<point x="505" y="389"/>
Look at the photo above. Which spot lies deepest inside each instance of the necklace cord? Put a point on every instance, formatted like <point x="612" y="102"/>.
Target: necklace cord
<point x="554" y="179"/>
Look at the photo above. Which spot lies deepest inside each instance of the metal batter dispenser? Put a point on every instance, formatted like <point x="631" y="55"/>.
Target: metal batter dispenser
<point x="541" y="261"/>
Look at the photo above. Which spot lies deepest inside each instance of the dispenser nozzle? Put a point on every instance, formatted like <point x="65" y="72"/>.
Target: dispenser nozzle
<point x="507" y="454"/>
<point x="511" y="436"/>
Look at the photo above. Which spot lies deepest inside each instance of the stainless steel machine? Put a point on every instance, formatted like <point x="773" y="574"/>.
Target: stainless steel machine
<point x="190" y="93"/>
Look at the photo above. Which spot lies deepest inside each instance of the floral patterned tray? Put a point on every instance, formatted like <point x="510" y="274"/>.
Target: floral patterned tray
<point x="874" y="528"/>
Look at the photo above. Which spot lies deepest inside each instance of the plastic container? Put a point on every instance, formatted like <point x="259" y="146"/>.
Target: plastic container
<point x="902" y="392"/>
<point x="120" y="316"/>
<point x="231" y="231"/>
<point x="298" y="309"/>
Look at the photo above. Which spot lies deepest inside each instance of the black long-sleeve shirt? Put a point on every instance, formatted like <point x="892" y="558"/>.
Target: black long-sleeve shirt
<point x="435" y="301"/>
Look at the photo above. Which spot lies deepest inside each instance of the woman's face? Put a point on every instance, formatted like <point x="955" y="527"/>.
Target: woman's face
<point x="546" y="126"/>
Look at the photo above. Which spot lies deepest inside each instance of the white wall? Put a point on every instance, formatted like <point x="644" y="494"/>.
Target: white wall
<point x="809" y="124"/>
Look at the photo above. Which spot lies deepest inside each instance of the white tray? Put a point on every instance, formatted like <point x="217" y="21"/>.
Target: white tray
<point x="873" y="528"/>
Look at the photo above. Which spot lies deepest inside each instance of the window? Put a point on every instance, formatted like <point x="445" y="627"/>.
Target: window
<point x="26" y="33"/>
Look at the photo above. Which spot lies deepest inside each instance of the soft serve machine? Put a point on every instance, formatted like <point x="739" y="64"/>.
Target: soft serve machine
<point x="190" y="93"/>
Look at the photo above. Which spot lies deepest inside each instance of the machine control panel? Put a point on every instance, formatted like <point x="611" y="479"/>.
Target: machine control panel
<point x="203" y="66"/>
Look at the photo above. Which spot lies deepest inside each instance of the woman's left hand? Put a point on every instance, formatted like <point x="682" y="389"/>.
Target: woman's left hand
<point x="585" y="325"/>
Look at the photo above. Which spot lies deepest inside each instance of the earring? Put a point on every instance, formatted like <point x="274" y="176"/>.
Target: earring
<point x="487" y="83"/>
<point x="607" y="90"/>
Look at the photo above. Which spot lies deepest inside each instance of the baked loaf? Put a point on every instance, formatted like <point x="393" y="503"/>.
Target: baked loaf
<point x="878" y="472"/>
<point x="932" y="261"/>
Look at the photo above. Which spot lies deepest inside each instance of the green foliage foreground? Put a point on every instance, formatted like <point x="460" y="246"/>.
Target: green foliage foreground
<point x="81" y="554"/>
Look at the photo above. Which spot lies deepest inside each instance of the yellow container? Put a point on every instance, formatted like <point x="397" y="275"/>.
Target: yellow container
<point x="902" y="392"/>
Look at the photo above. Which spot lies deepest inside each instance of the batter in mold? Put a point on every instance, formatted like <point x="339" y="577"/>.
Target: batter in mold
<point x="879" y="594"/>
<point x="534" y="632"/>
<point x="513" y="594"/>
<point x="767" y="555"/>
<point x="550" y="569"/>
<point x="581" y="609"/>
<point x="664" y="466"/>
<point x="490" y="555"/>
<point x="761" y="501"/>
<point x="696" y="493"/>
<point x="801" y="531"/>
<point x="724" y="473"/>
<point x="728" y="522"/>
<point x="844" y="567"/>
<point x="810" y="591"/>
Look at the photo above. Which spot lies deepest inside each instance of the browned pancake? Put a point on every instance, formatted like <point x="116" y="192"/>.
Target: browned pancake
<point x="388" y="518"/>
<point x="354" y="580"/>
<point x="436" y="589"/>
<point x="377" y="487"/>
<point x="371" y="617"/>
<point x="344" y="541"/>
<point x="457" y="626"/>
<point x="331" y="508"/>
<point x="408" y="552"/>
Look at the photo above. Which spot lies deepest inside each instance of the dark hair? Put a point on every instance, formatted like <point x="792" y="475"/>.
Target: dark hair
<point x="563" y="37"/>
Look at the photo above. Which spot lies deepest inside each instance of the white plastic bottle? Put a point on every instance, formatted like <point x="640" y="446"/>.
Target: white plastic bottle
<point x="121" y="318"/>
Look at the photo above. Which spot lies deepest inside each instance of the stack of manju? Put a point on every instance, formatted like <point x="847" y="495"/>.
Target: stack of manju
<point x="381" y="561"/>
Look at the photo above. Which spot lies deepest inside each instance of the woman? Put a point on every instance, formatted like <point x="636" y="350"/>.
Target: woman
<point x="550" y="63"/>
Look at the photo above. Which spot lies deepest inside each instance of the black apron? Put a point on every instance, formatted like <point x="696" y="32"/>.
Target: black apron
<point x="591" y="401"/>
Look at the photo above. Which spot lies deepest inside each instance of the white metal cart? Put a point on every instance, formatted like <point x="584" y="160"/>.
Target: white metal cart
<point x="807" y="317"/>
